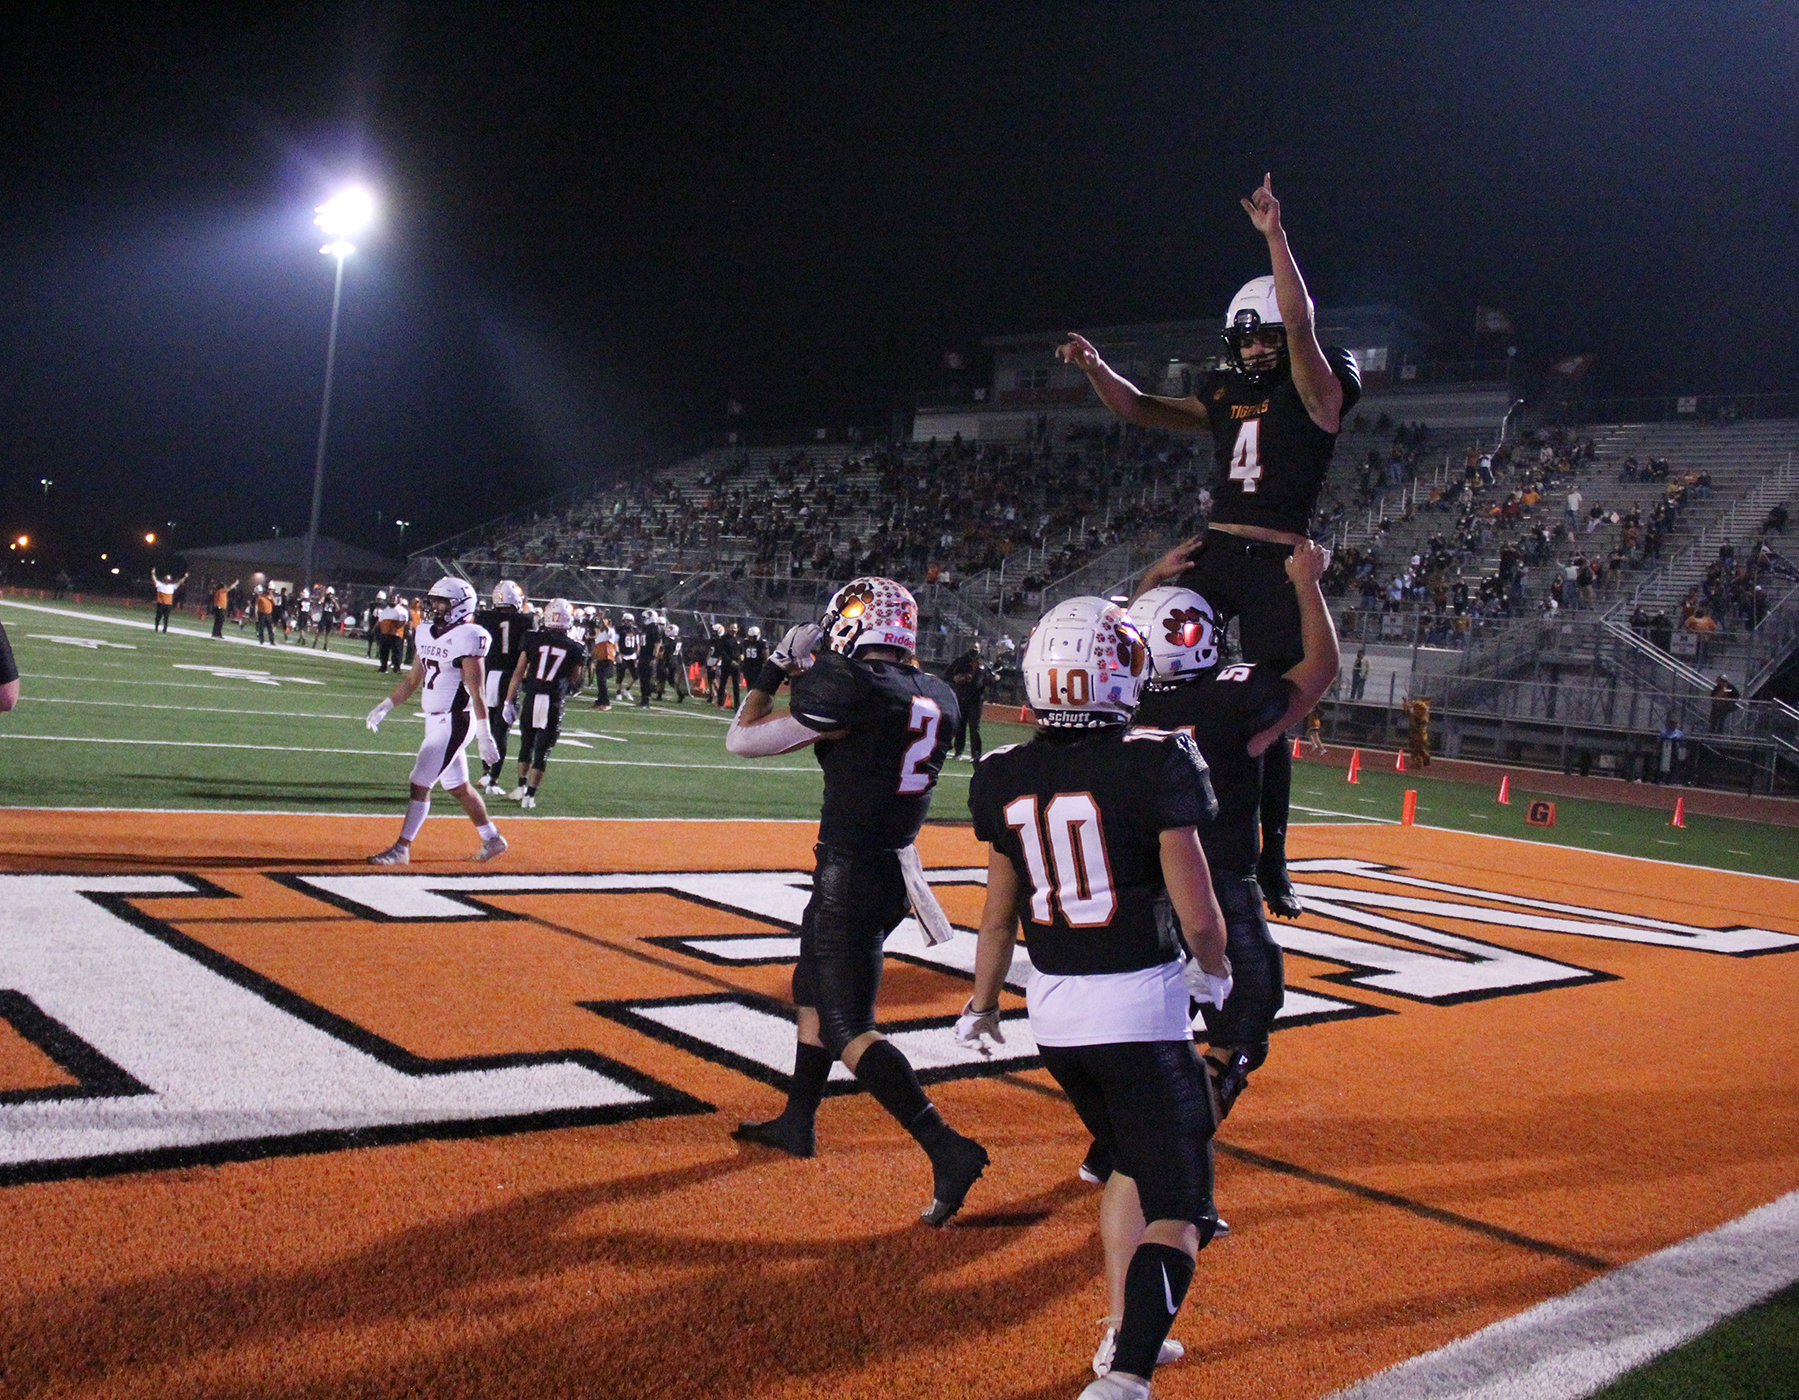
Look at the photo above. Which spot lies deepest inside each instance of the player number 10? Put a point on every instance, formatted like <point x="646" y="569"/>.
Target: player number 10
<point x="1082" y="884"/>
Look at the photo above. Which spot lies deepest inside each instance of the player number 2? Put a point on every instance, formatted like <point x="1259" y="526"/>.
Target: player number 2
<point x="926" y="716"/>
<point x="1082" y="883"/>
<point x="1246" y="457"/>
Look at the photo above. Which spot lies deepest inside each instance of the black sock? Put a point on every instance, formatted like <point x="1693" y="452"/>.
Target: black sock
<point x="1277" y="792"/>
<point x="1154" y="1285"/>
<point x="887" y="1075"/>
<point x="811" y="1067"/>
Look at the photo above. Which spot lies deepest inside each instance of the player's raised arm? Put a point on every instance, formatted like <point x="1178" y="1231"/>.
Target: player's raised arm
<point x="1319" y="388"/>
<point x="1315" y="671"/>
<point x="1125" y="399"/>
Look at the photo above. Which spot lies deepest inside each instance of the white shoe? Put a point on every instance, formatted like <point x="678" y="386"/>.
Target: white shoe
<point x="397" y="854"/>
<point x="1109" y="1387"/>
<point x="517" y="794"/>
<point x="528" y="801"/>
<point x="494" y="845"/>
<point x="1171" y="1351"/>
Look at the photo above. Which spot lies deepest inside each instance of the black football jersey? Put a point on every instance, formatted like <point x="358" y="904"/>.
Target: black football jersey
<point x="507" y="627"/>
<point x="1270" y="458"/>
<point x="551" y="661"/>
<point x="752" y="654"/>
<point x="1223" y="709"/>
<point x="1080" y="814"/>
<point x="878" y="778"/>
<point x="628" y="642"/>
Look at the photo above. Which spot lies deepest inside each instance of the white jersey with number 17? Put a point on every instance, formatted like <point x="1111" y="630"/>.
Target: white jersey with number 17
<point x="441" y="653"/>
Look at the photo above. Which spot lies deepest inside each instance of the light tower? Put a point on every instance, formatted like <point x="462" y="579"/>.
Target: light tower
<point x="339" y="217"/>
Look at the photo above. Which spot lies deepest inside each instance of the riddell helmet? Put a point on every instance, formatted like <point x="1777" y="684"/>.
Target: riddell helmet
<point x="718" y="629"/>
<point x="458" y="598"/>
<point x="1254" y="308"/>
<point x="628" y="617"/>
<point x="871" y="612"/>
<point x="754" y="631"/>
<point x="507" y="594"/>
<point x="1180" y="629"/>
<point x="1084" y="664"/>
<point x="558" y="616"/>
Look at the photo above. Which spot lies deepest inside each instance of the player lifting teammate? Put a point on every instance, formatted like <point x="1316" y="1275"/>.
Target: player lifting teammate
<point x="449" y="671"/>
<point x="549" y="668"/>
<point x="1274" y="415"/>
<point x="506" y="622"/>
<point x="1234" y="713"/>
<point x="1094" y="831"/>
<point x="881" y="726"/>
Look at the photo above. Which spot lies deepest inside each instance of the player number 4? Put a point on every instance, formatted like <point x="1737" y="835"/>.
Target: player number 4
<point x="1082" y="882"/>
<point x="1246" y="457"/>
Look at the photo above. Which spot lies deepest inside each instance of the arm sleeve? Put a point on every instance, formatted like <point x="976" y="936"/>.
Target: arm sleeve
<point x="769" y="679"/>
<point x="775" y="735"/>
<point x="1184" y="788"/>
<point x="1343" y="365"/>
<point x="829" y="695"/>
<point x="9" y="669"/>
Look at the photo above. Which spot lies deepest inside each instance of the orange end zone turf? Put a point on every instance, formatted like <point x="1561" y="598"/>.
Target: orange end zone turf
<point x="1397" y="1176"/>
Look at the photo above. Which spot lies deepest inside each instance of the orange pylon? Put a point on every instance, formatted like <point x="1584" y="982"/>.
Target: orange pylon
<point x="1355" y="765"/>
<point x="1399" y="762"/>
<point x="1680" y="812"/>
<point x="1409" y="808"/>
<point x="1505" y="789"/>
<point x="1296" y="748"/>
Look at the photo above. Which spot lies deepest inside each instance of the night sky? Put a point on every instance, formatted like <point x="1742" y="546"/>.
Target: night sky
<point x="602" y="223"/>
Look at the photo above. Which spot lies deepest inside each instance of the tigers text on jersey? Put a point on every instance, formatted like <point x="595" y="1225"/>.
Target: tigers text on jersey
<point x="441" y="655"/>
<point x="1080" y="814"/>
<point x="552" y="660"/>
<point x="1223" y="709"/>
<point x="1270" y="457"/>
<point x="878" y="777"/>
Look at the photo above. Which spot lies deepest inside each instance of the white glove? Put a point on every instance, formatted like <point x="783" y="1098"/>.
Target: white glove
<point x="488" y="745"/>
<point x="1202" y="986"/>
<point x="796" y="648"/>
<point x="378" y="714"/>
<point x="509" y="712"/>
<point x="971" y="1025"/>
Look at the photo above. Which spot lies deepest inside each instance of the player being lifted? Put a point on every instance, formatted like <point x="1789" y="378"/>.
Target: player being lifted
<point x="1274" y="415"/>
<point x="549" y="668"/>
<point x="1094" y="831"/>
<point x="1234" y="713"/>
<point x="881" y="726"/>
<point x="506" y="622"/>
<point x="449" y="671"/>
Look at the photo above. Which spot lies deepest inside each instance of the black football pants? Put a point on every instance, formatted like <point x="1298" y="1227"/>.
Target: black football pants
<point x="1257" y="972"/>
<point x="858" y="897"/>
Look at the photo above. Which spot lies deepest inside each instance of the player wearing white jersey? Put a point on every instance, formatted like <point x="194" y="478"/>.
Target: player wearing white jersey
<point x="448" y="672"/>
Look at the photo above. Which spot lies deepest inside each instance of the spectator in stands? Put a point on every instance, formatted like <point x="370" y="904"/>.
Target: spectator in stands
<point x="1724" y="700"/>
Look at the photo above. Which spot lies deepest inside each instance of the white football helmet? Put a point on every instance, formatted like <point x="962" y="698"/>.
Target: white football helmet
<point x="558" y="616"/>
<point x="458" y="599"/>
<point x="754" y="631"/>
<point x="870" y="612"/>
<point x="1084" y="664"/>
<point x="1254" y="308"/>
<point x="507" y="594"/>
<point x="1180" y="629"/>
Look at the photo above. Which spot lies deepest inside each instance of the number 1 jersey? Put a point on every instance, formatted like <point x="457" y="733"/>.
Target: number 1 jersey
<point x="879" y="776"/>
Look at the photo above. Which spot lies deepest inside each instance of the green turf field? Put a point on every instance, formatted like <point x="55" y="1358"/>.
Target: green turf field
<point x="1753" y="1356"/>
<point x="115" y="715"/>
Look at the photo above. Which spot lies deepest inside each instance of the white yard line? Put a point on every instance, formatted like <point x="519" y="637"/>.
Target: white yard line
<point x="1571" y="1346"/>
<point x="288" y="650"/>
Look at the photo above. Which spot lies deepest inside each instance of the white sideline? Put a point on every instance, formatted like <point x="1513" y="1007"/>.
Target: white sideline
<point x="286" y="649"/>
<point x="1571" y="1346"/>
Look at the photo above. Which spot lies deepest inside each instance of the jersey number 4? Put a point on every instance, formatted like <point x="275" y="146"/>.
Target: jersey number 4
<point x="1246" y="456"/>
<point x="1082" y="879"/>
<point x="927" y="716"/>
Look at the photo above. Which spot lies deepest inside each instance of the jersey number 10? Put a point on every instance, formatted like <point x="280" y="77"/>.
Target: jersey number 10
<point x="1082" y="883"/>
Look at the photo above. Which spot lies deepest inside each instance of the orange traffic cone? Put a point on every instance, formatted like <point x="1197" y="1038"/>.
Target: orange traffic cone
<point x="1024" y="714"/>
<point x="1399" y="762"/>
<point x="1355" y="765"/>
<point x="1680" y="812"/>
<point x="1505" y="789"/>
<point x="1296" y="748"/>
<point x="1409" y="808"/>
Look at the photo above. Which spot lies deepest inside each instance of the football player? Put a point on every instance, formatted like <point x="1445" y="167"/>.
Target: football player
<point x="1094" y="836"/>
<point x="649" y="643"/>
<point x="549" y="668"/>
<point x="506" y="623"/>
<point x="1235" y="713"/>
<point x="629" y="643"/>
<point x="1274" y="415"/>
<point x="881" y="728"/>
<point x="450" y="673"/>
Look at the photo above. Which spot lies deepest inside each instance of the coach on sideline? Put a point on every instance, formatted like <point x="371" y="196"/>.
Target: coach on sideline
<point x="9" y="674"/>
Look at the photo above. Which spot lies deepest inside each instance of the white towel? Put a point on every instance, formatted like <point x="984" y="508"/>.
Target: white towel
<point x="931" y="918"/>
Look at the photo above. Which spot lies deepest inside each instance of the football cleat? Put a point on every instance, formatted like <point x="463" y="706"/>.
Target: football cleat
<point x="494" y="845"/>
<point x="1116" y="1387"/>
<point x="1229" y="1079"/>
<point x="517" y="794"/>
<point x="528" y="801"/>
<point x="397" y="854"/>
<point x="779" y="1133"/>
<point x="1171" y="1351"/>
<point x="1277" y="889"/>
<point x="955" y="1167"/>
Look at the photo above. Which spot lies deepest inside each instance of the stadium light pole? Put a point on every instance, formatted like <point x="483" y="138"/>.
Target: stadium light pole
<point x="339" y="217"/>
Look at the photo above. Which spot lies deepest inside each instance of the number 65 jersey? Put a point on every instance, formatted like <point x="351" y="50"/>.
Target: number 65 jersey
<point x="879" y="776"/>
<point x="442" y="652"/>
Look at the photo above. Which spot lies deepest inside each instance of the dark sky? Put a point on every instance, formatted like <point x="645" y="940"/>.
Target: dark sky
<point x="603" y="222"/>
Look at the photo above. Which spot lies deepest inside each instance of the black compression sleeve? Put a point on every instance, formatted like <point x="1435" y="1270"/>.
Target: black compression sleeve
<point x="769" y="678"/>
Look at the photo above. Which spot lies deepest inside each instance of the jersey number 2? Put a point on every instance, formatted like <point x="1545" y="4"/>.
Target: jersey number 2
<point x="1082" y="884"/>
<point x="926" y="717"/>
<point x="1246" y="457"/>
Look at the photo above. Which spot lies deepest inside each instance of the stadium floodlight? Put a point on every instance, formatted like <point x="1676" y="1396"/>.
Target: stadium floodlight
<point x="347" y="212"/>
